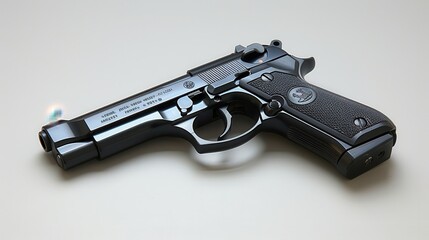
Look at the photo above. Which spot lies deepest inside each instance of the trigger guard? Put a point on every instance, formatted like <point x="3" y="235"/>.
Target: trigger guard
<point x="231" y="158"/>
<point x="209" y="146"/>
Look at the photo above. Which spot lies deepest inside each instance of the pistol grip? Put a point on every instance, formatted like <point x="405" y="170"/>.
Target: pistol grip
<point x="365" y="135"/>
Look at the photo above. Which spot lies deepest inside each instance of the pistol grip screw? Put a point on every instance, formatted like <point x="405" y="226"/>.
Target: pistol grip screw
<point x="360" y="122"/>
<point x="266" y="77"/>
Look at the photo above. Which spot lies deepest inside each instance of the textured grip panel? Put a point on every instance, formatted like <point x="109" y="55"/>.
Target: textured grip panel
<point x="333" y="111"/>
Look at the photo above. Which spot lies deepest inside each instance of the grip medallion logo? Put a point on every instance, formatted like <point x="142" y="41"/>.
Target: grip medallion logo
<point x="302" y="95"/>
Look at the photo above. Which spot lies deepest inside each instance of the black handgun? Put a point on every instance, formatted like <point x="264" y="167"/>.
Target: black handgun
<point x="263" y="83"/>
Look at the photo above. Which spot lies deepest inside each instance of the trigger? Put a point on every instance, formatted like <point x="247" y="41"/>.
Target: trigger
<point x="227" y="118"/>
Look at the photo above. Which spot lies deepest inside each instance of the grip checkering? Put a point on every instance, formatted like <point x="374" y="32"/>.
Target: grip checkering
<point x="334" y="111"/>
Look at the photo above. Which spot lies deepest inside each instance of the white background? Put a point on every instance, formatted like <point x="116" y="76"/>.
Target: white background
<point x="86" y="54"/>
